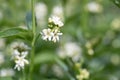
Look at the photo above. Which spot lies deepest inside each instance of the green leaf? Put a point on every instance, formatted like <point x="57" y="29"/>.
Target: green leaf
<point x="62" y="64"/>
<point x="117" y="2"/>
<point x="29" y="20"/>
<point x="12" y="32"/>
<point x="44" y="57"/>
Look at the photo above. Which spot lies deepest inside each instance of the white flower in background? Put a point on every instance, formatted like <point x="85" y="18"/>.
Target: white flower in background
<point x="57" y="70"/>
<point x="94" y="7"/>
<point x="84" y="74"/>
<point x="90" y="50"/>
<point x="20" y="60"/>
<point x="41" y="14"/>
<point x="88" y="44"/>
<point x="2" y="59"/>
<point x="115" y="25"/>
<point x="40" y="10"/>
<point x="115" y="59"/>
<point x="58" y="11"/>
<point x="56" y="21"/>
<point x="56" y="35"/>
<point x="47" y="34"/>
<point x="6" y="72"/>
<point x="70" y="49"/>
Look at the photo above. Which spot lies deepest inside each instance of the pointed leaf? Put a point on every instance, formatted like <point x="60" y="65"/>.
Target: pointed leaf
<point x="44" y="57"/>
<point x="11" y="32"/>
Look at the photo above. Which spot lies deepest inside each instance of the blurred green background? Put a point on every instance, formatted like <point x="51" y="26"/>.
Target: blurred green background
<point x="96" y="32"/>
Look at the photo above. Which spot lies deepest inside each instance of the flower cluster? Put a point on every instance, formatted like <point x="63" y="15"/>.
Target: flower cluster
<point x="84" y="74"/>
<point x="19" y="54"/>
<point x="53" y="32"/>
<point x="88" y="45"/>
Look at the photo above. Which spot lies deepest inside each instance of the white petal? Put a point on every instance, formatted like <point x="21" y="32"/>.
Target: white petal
<point x="16" y="52"/>
<point x="24" y="54"/>
<point x="26" y="61"/>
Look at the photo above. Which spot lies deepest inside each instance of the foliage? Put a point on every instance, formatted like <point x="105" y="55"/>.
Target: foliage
<point x="93" y="34"/>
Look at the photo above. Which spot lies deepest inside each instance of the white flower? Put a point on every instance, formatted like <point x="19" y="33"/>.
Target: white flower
<point x="94" y="7"/>
<point x="19" y="45"/>
<point x="20" y="60"/>
<point x="56" y="35"/>
<point x="56" y="20"/>
<point x="41" y="14"/>
<point x="115" y="25"/>
<point x="6" y="72"/>
<point x="40" y="10"/>
<point x="70" y="49"/>
<point x="58" y="11"/>
<point x="90" y="51"/>
<point x="84" y="74"/>
<point x="15" y="53"/>
<point x="47" y="34"/>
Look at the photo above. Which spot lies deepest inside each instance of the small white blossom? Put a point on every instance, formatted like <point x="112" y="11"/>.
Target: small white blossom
<point x="115" y="25"/>
<point x="70" y="49"/>
<point x="20" y="60"/>
<point x="41" y="14"/>
<point x="94" y="7"/>
<point x="84" y="74"/>
<point x="56" y="20"/>
<point x="58" y="11"/>
<point x="19" y="45"/>
<point x="40" y="10"/>
<point x="47" y="34"/>
<point x="56" y="35"/>
<point x="90" y="51"/>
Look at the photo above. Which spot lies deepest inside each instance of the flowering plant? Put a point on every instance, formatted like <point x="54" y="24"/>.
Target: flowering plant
<point x="59" y="40"/>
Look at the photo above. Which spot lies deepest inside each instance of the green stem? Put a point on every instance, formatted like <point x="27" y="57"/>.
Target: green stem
<point x="37" y="37"/>
<point x="84" y="17"/>
<point x="24" y="76"/>
<point x="33" y="41"/>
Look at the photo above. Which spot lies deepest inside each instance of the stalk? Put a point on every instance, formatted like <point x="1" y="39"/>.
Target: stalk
<point x="33" y="41"/>
<point x="84" y="17"/>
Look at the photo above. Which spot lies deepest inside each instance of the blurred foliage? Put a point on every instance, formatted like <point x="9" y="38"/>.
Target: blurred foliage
<point x="80" y="26"/>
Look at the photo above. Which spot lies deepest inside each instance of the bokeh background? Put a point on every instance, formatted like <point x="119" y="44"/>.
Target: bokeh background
<point x="91" y="37"/>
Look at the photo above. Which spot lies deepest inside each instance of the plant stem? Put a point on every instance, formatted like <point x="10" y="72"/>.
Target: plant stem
<point x="33" y="41"/>
<point x="84" y="17"/>
<point x="24" y="76"/>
